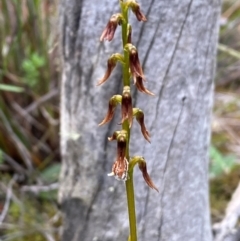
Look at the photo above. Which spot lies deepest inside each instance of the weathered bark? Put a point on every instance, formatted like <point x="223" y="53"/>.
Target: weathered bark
<point x="177" y="48"/>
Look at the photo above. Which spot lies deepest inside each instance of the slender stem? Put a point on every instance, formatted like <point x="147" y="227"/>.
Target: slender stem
<point x="125" y="126"/>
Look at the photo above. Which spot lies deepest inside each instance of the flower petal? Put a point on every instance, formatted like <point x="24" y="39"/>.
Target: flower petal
<point x="143" y="167"/>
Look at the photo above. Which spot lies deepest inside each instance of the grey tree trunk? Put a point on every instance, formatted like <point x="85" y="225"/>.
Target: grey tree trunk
<point x="177" y="48"/>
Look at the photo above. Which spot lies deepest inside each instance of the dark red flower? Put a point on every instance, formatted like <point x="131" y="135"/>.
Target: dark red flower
<point x="120" y="166"/>
<point x="114" y="101"/>
<point x="108" y="32"/>
<point x="136" y="10"/>
<point x="127" y="111"/>
<point x="140" y="120"/>
<point x="110" y="66"/>
<point x="135" y="66"/>
<point x="143" y="167"/>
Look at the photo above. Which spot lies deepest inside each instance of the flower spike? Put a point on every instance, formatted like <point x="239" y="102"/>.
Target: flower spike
<point x="140" y="119"/>
<point x="141" y="87"/>
<point x="127" y="111"/>
<point x="114" y="101"/>
<point x="109" y="31"/>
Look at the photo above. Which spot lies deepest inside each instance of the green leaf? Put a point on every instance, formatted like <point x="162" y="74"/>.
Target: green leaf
<point x="11" y="88"/>
<point x="1" y="156"/>
<point x="51" y="173"/>
<point x="220" y="163"/>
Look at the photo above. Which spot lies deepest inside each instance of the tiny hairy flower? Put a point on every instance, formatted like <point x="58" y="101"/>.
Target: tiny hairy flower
<point x="109" y="31"/>
<point x="135" y="66"/>
<point x="114" y="101"/>
<point x="127" y="110"/>
<point x="141" y="87"/>
<point x="140" y="119"/>
<point x="120" y="166"/>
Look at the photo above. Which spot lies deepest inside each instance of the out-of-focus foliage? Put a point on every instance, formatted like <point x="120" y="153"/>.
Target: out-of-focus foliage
<point x="220" y="163"/>
<point x="225" y="151"/>
<point x="29" y="120"/>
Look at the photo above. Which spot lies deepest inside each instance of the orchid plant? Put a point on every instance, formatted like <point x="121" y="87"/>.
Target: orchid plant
<point x="123" y="166"/>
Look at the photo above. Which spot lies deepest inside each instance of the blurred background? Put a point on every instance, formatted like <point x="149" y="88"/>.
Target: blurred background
<point x="29" y="118"/>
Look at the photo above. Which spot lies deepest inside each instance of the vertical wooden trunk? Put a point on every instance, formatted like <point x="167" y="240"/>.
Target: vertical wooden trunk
<point x="177" y="48"/>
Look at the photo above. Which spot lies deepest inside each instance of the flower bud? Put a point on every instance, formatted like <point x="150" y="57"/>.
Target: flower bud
<point x="114" y="101"/>
<point x="141" y="87"/>
<point x="135" y="66"/>
<point x="108" y="32"/>
<point x="111" y="64"/>
<point x="127" y="112"/>
<point x="140" y="119"/>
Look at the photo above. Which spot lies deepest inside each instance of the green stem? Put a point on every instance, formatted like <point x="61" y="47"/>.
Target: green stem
<point x="125" y="126"/>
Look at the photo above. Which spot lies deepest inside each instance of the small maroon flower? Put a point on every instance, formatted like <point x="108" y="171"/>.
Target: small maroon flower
<point x="127" y="111"/>
<point x="143" y="167"/>
<point x="114" y="101"/>
<point x="141" y="87"/>
<point x="136" y="10"/>
<point x="111" y="64"/>
<point x="135" y="66"/>
<point x="120" y="166"/>
<point x="140" y="119"/>
<point x="140" y="16"/>
<point x="108" y="32"/>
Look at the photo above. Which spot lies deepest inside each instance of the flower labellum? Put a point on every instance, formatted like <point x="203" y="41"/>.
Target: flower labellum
<point x="120" y="166"/>
<point x="127" y="111"/>
<point x="135" y="66"/>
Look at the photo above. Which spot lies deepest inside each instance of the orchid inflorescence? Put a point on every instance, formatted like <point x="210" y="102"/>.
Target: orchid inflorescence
<point x="121" y="165"/>
<point x="122" y="168"/>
